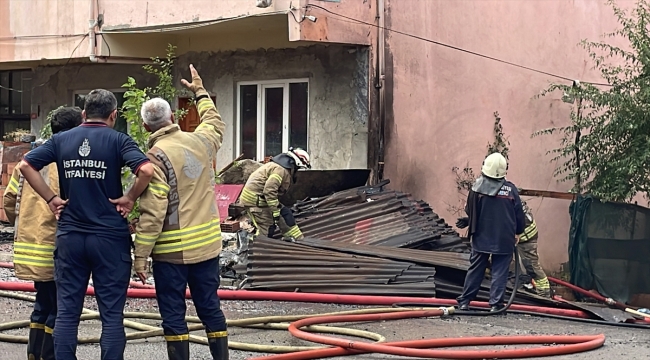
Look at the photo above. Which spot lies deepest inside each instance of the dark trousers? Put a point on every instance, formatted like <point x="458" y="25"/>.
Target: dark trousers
<point x="44" y="312"/>
<point x="476" y="273"/>
<point x="76" y="256"/>
<point x="171" y="283"/>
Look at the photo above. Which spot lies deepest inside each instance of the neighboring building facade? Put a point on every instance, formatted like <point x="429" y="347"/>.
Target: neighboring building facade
<point x="354" y="94"/>
<point x="279" y="79"/>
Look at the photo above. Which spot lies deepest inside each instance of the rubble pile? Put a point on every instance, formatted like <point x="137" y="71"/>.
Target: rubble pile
<point x="364" y="241"/>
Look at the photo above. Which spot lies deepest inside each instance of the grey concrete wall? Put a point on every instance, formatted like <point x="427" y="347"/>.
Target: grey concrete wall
<point x="54" y="85"/>
<point x="338" y="95"/>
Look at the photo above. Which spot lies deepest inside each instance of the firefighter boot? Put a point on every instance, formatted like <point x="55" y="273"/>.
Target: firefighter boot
<point x="35" y="341"/>
<point x="178" y="350"/>
<point x="543" y="288"/>
<point x="48" y="347"/>
<point x="219" y="347"/>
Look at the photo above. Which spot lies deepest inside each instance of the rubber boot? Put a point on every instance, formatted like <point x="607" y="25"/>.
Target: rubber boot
<point x="48" y="347"/>
<point x="544" y="292"/>
<point x="35" y="341"/>
<point x="178" y="350"/>
<point x="219" y="347"/>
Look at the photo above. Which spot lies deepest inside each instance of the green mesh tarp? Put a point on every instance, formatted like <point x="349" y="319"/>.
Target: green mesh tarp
<point x="609" y="247"/>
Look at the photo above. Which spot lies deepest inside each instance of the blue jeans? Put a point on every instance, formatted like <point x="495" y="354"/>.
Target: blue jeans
<point x="76" y="256"/>
<point x="171" y="283"/>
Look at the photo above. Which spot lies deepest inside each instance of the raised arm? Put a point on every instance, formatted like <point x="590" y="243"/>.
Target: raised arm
<point x="212" y="127"/>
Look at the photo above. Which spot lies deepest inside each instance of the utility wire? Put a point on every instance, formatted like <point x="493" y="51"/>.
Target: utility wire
<point x="450" y="46"/>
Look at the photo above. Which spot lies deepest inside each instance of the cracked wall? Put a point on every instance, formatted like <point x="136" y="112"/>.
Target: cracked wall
<point x="54" y="86"/>
<point x="338" y="95"/>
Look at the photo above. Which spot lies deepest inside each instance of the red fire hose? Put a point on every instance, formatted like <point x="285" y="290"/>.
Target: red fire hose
<point x="245" y="295"/>
<point x="608" y="301"/>
<point x="414" y="348"/>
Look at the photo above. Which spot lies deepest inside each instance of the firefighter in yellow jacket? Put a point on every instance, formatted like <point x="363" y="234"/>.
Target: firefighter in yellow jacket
<point x="529" y="257"/>
<point x="179" y="221"/>
<point x="34" y="238"/>
<point x="261" y="194"/>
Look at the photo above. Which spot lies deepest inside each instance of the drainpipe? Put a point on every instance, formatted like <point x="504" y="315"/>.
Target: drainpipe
<point x="379" y="84"/>
<point x="92" y="22"/>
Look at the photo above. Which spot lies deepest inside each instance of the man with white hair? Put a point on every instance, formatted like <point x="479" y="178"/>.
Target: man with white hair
<point x="179" y="222"/>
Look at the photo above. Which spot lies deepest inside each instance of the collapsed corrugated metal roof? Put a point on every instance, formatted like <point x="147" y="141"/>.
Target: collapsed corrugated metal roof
<point x="367" y="241"/>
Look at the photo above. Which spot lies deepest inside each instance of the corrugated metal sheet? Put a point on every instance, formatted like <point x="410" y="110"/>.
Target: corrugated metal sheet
<point x="321" y="266"/>
<point x="372" y="217"/>
<point x="282" y="266"/>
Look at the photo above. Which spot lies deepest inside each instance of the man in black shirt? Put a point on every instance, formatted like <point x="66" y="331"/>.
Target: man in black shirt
<point x="93" y="234"/>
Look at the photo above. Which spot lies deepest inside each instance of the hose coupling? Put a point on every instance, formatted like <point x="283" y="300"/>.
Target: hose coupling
<point x="446" y="311"/>
<point x="610" y="301"/>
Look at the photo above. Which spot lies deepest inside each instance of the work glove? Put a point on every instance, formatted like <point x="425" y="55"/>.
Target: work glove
<point x="462" y="222"/>
<point x="197" y="84"/>
<point x="141" y="267"/>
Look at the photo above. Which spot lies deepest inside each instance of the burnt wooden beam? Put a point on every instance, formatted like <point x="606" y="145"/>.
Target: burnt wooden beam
<point x="548" y="194"/>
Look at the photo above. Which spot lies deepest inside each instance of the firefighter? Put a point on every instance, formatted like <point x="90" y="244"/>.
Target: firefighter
<point x="495" y="217"/>
<point x="92" y="231"/>
<point x="34" y="237"/>
<point x="527" y="248"/>
<point x="264" y="187"/>
<point x="179" y="221"/>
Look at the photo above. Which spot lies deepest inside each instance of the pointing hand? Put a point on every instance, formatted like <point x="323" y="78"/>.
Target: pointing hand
<point x="196" y="84"/>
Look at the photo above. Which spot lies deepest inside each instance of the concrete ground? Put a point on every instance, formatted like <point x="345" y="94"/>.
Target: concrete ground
<point x="620" y="344"/>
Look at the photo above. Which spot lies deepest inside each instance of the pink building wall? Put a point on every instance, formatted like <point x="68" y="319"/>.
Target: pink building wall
<point x="442" y="100"/>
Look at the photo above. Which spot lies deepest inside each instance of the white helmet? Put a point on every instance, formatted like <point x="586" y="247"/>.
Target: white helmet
<point x="495" y="166"/>
<point x="301" y="157"/>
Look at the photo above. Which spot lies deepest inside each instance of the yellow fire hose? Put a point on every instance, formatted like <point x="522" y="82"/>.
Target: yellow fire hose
<point x="266" y="322"/>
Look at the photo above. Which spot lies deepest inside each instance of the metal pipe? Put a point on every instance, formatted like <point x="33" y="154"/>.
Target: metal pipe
<point x="92" y="22"/>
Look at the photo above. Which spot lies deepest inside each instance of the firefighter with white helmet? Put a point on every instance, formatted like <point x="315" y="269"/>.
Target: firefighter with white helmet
<point x="495" y="217"/>
<point x="266" y="185"/>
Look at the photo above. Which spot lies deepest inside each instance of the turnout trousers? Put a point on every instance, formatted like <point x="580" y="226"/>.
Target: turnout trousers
<point x="76" y="256"/>
<point x="42" y="322"/>
<point x="263" y="220"/>
<point x="530" y="259"/>
<point x="203" y="280"/>
<point x="476" y="273"/>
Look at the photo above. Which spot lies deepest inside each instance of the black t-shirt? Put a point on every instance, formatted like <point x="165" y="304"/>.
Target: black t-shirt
<point x="89" y="159"/>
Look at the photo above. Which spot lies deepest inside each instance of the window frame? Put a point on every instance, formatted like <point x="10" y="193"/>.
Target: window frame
<point x="85" y="92"/>
<point x="261" y="101"/>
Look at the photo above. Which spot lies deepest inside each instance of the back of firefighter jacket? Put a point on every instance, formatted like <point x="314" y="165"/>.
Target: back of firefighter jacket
<point x="34" y="226"/>
<point x="499" y="219"/>
<point x="179" y="219"/>
<point x="266" y="185"/>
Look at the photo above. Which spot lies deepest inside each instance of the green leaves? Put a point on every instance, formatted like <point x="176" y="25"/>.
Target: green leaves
<point x="135" y="97"/>
<point x="605" y="150"/>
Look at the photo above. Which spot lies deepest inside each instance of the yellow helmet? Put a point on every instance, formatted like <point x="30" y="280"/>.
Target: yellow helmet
<point x="495" y="166"/>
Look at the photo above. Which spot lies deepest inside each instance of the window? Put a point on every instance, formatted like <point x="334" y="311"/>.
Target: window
<point x="15" y="100"/>
<point x="271" y="117"/>
<point x="120" y="124"/>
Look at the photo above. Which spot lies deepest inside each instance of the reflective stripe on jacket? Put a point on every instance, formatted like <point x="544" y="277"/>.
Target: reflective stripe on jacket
<point x="266" y="185"/>
<point x="34" y="227"/>
<point x="530" y="232"/>
<point x="179" y="220"/>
